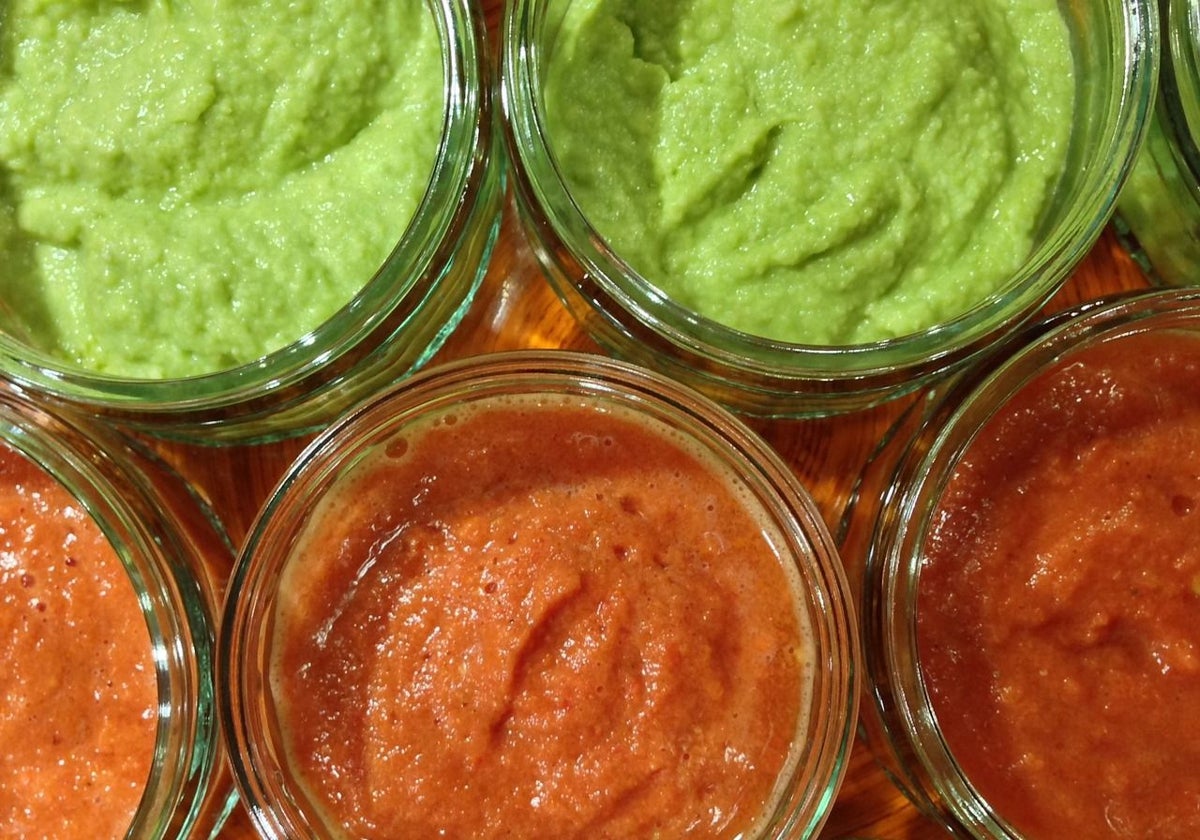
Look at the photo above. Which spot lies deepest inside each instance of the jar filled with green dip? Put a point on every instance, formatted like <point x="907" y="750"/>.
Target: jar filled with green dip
<point x="228" y="221"/>
<point x="1160" y="206"/>
<point x="807" y="207"/>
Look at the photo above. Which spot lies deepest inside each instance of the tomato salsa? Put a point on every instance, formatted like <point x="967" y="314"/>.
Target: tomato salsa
<point x="78" y="721"/>
<point x="533" y="617"/>
<point x="1058" y="619"/>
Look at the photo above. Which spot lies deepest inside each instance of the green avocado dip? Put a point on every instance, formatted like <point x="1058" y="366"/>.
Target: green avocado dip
<point x="188" y="186"/>
<point x="814" y="171"/>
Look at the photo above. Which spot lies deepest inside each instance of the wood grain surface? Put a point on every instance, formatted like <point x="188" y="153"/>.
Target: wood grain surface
<point x="516" y="309"/>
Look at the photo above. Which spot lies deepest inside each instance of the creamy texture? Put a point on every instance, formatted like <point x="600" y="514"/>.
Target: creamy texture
<point x="539" y="621"/>
<point x="1058" y="627"/>
<point x="78" y="721"/>
<point x="812" y="171"/>
<point x="188" y="186"/>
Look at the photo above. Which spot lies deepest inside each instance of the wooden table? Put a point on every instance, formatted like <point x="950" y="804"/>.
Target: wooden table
<point x="516" y="309"/>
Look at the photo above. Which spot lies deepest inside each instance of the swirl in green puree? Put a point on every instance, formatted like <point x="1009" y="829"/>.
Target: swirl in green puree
<point x="187" y="186"/>
<point x="814" y="171"/>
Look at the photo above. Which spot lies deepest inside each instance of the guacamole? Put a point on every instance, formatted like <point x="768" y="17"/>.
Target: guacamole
<point x="814" y="171"/>
<point x="187" y="187"/>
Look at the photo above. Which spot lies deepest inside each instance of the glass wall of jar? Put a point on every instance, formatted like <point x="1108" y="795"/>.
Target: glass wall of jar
<point x="1159" y="209"/>
<point x="198" y="295"/>
<point x="1113" y="47"/>
<point x="550" y="501"/>
<point x="1013" y="540"/>
<point x="112" y="571"/>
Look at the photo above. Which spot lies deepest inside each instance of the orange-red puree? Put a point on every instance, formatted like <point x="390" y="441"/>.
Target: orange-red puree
<point x="78" y="718"/>
<point x="1059" y="605"/>
<point x="530" y="620"/>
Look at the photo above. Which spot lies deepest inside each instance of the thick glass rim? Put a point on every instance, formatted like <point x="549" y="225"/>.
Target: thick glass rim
<point x="243" y="654"/>
<point x="950" y="422"/>
<point x="384" y="300"/>
<point x="1178" y="109"/>
<point x="1134" y="40"/>
<point x="179" y="608"/>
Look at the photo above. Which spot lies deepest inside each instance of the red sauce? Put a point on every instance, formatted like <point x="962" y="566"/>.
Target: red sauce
<point x="540" y="621"/>
<point x="78" y="719"/>
<point x="1059" y="607"/>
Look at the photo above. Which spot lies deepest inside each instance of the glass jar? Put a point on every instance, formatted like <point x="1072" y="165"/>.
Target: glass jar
<point x="1114" y="50"/>
<point x="897" y="513"/>
<point x="1159" y="209"/>
<point x="271" y="782"/>
<point x="177" y="557"/>
<point x="394" y="324"/>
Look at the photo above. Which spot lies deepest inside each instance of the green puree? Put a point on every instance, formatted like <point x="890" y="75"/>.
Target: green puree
<point x="185" y="186"/>
<point x="814" y="171"/>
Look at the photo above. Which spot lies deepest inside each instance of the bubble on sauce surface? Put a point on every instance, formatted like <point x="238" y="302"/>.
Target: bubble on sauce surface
<point x="1182" y="505"/>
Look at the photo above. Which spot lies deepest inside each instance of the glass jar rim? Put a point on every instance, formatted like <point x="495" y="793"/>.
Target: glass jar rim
<point x="1178" y="106"/>
<point x="950" y="421"/>
<point x="242" y="658"/>
<point x="383" y="302"/>
<point x="1058" y="249"/>
<point x="179" y="608"/>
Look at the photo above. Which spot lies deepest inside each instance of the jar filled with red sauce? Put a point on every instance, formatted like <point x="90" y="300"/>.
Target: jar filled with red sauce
<point x="110" y="572"/>
<point x="1031" y="590"/>
<point x="538" y="594"/>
